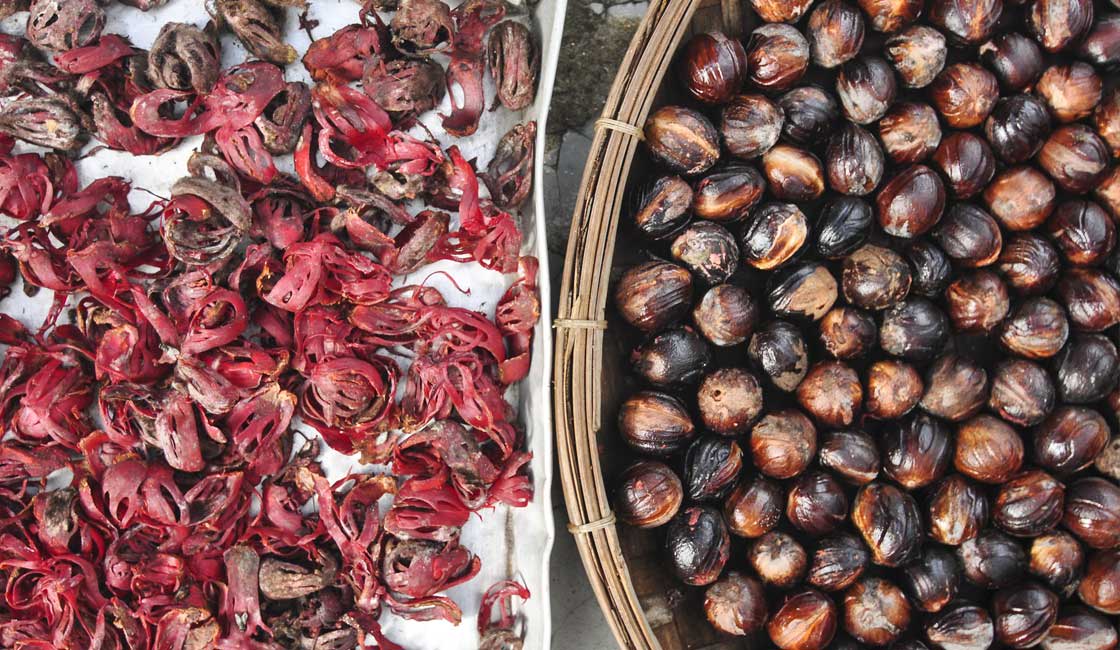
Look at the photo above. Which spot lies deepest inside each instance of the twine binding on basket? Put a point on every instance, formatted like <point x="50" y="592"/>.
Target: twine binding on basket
<point x="578" y="324"/>
<point x="620" y="126"/>
<point x="592" y="526"/>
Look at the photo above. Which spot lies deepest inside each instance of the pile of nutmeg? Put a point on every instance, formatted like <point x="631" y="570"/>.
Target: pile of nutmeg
<point x="877" y="378"/>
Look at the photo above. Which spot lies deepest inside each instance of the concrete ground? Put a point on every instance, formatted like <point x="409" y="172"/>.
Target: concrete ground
<point x="596" y="35"/>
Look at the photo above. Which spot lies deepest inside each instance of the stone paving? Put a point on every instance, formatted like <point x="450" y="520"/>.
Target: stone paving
<point x="596" y="35"/>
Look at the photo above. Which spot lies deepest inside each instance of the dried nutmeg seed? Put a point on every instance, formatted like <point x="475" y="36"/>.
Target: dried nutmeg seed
<point x="682" y="140"/>
<point x="773" y="235"/>
<point x="805" y="291"/>
<point x="783" y="443"/>
<point x="1071" y="90"/>
<point x="1037" y="330"/>
<point x="891" y="15"/>
<point x="838" y="561"/>
<point x="736" y="605"/>
<point x="876" y="612"/>
<point x="977" y="302"/>
<point x="728" y="195"/>
<point x="910" y="132"/>
<point x="655" y="423"/>
<point x="1024" y="614"/>
<point x="843" y="225"/>
<point x="778" y="349"/>
<point x="1057" y="559"/>
<point x="653" y="295"/>
<point x="854" y="161"/>
<point x="708" y="250"/>
<point x="918" y="55"/>
<point x="1101" y="46"/>
<point x="1092" y="512"/>
<point x="698" y="545"/>
<point x="811" y="115"/>
<point x="835" y="31"/>
<point x="778" y="559"/>
<point x="850" y="454"/>
<point x="1029" y="264"/>
<point x="649" y="494"/>
<point x="713" y="67"/>
<point x="750" y="125"/>
<point x="1078" y="628"/>
<point x="917" y="451"/>
<point x="967" y="21"/>
<point x="1091" y="298"/>
<point x="673" y="357"/>
<point x="1020" y="198"/>
<point x="915" y="329"/>
<point x="1070" y="439"/>
<point x="780" y="11"/>
<point x="866" y="87"/>
<point x="893" y="389"/>
<point x="1059" y="24"/>
<point x="793" y="174"/>
<point x="1100" y="587"/>
<point x="932" y="580"/>
<point x="711" y="466"/>
<point x="816" y="503"/>
<point x="962" y="627"/>
<point x="726" y="315"/>
<point x="992" y="560"/>
<point x="1022" y="392"/>
<point x="1087" y="369"/>
<point x="888" y="520"/>
<point x="967" y="163"/>
<point x="848" y="333"/>
<point x="777" y="57"/>
<point x="1075" y="157"/>
<point x="932" y="268"/>
<point x="988" y="450"/>
<point x="1106" y="118"/>
<point x="1015" y="59"/>
<point x="969" y="235"/>
<point x="875" y="278"/>
<point x="1083" y="231"/>
<point x="1029" y="504"/>
<point x="964" y="94"/>
<point x="958" y="511"/>
<point x="806" y="620"/>
<point x="729" y="400"/>
<point x="665" y="208"/>
<point x="754" y="507"/>
<point x="911" y="203"/>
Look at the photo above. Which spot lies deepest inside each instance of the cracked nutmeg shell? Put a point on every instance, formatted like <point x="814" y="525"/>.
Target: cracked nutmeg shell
<point x="682" y="140"/>
<point x="649" y="494"/>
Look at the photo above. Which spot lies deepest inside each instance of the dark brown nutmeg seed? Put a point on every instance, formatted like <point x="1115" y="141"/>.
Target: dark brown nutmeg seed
<point x="672" y="357"/>
<point x="736" y="605"/>
<point x="1102" y="45"/>
<point x="805" y="291"/>
<point x="726" y="315"/>
<point x="698" y="545"/>
<point x="932" y="268"/>
<point x="917" y="451"/>
<point x="851" y="454"/>
<point x="958" y="511"/>
<point x="932" y="580"/>
<point x="1091" y="297"/>
<point x="854" y="161"/>
<point x="988" y="450"/>
<point x="1015" y="59"/>
<point x="910" y="132"/>
<point x="750" y="125"/>
<point x="653" y="295"/>
<point x="867" y="88"/>
<point x="967" y="163"/>
<point x="1024" y="614"/>
<point x="649" y="494"/>
<point x="838" y="561"/>
<point x="665" y="208"/>
<point x="773" y="235"/>
<point x="1092" y="512"/>
<point x="1070" y="439"/>
<point x="816" y="504"/>
<point x="843" y="225"/>
<point x="1057" y="559"/>
<point x="1022" y="392"/>
<point x="655" y="423"/>
<point x="889" y="522"/>
<point x="893" y="389"/>
<point x="918" y="55"/>
<point x="1029" y="264"/>
<point x="831" y="393"/>
<point x="891" y="15"/>
<point x="875" y="278"/>
<point x="711" y="467"/>
<point x="911" y="203"/>
<point x="1071" y="91"/>
<point x="835" y="31"/>
<point x="1059" y="24"/>
<point x="806" y="620"/>
<point x="964" y="94"/>
<point x="1037" y="330"/>
<point x="992" y="560"/>
<point x="1100" y="587"/>
<point x="728" y="195"/>
<point x="1075" y="157"/>
<point x="1106" y="118"/>
<point x="1021" y="198"/>
<point x="848" y="333"/>
<point x="876" y="612"/>
<point x="783" y="443"/>
<point x="729" y="400"/>
<point x="1083" y="232"/>
<point x="1078" y="628"/>
<point x="811" y="115"/>
<point x="780" y="11"/>
<point x="1087" y="369"/>
<point x="713" y="67"/>
<point x="969" y="235"/>
<point x="779" y="350"/>
<point x="963" y="627"/>
<point x="793" y="174"/>
<point x="778" y="559"/>
<point x="914" y="329"/>
<point x="967" y="21"/>
<point x="754" y="507"/>
<point x="777" y="57"/>
<point x="1029" y="504"/>
<point x="682" y="140"/>
<point x="708" y="250"/>
<point x="977" y="302"/>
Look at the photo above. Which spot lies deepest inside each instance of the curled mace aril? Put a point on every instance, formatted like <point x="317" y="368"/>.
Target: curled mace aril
<point x="200" y="343"/>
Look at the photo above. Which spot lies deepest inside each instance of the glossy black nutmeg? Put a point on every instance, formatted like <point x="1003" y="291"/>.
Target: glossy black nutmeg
<point x="811" y="115"/>
<point x="915" y="329"/>
<point x="866" y="87"/>
<point x="698" y="545"/>
<point x="838" y="561"/>
<point x="816" y="503"/>
<point x="1087" y="369"/>
<point x="932" y="580"/>
<point x="916" y="451"/>
<point x="1058" y="25"/>
<point x="665" y="209"/>
<point x="655" y="423"/>
<point x="843" y="225"/>
<point x="1070" y="439"/>
<point x="967" y="163"/>
<point x="1083" y="232"/>
<point x="931" y="268"/>
<point x="773" y="235"/>
<point x="1015" y="59"/>
<point x="1023" y="614"/>
<point x="712" y="465"/>
<point x="969" y="236"/>
<point x="673" y="357"/>
<point x="1029" y="504"/>
<point x="1092" y="512"/>
<point x="992" y="560"/>
<point x="1017" y="127"/>
<point x="778" y="349"/>
<point x="889" y="522"/>
<point x="708" y="250"/>
<point x="713" y="67"/>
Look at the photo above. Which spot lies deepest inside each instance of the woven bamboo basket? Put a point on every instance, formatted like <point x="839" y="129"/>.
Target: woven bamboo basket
<point x="644" y="606"/>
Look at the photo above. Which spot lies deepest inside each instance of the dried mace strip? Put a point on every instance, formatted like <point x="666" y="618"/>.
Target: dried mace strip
<point x="514" y="61"/>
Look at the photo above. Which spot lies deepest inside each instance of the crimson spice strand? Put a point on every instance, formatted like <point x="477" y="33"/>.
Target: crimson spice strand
<point x="201" y="328"/>
<point x="875" y="369"/>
